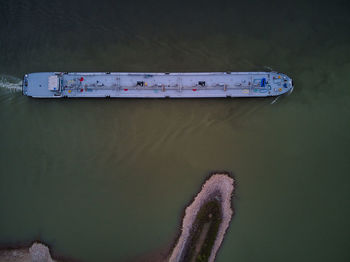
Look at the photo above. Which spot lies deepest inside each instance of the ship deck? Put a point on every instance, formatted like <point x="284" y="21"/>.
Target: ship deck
<point x="157" y="85"/>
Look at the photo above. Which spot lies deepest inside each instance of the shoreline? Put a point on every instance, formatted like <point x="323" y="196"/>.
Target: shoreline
<point x="37" y="252"/>
<point x="218" y="184"/>
<point x="205" y="221"/>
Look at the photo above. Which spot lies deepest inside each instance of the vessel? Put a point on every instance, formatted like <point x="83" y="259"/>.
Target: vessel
<point x="155" y="85"/>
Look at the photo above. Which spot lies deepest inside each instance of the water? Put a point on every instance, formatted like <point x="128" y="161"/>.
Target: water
<point x="107" y="180"/>
<point x="11" y="83"/>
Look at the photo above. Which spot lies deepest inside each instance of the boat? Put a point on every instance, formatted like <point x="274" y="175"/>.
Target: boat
<point x="155" y="85"/>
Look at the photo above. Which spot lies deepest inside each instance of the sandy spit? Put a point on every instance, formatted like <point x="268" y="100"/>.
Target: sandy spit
<point x="217" y="183"/>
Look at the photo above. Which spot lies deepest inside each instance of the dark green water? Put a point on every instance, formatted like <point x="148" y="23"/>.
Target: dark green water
<point x="107" y="180"/>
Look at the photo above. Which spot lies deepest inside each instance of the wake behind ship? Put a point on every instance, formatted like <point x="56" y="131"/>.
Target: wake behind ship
<point x="156" y="85"/>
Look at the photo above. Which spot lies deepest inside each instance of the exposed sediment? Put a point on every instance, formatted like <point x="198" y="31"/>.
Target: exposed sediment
<point x="36" y="253"/>
<point x="204" y="225"/>
<point x="218" y="188"/>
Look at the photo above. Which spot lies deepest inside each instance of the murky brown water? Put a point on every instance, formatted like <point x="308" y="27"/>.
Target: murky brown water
<point x="106" y="180"/>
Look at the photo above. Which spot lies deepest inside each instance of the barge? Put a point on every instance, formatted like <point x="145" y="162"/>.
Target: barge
<point x="155" y="85"/>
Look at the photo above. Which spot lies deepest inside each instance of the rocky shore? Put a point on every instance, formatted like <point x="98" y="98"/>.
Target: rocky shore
<point x="216" y="191"/>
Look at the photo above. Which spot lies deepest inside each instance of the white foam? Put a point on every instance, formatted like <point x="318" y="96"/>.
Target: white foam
<point x="269" y="68"/>
<point x="11" y="83"/>
<point x="290" y="91"/>
<point x="274" y="101"/>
